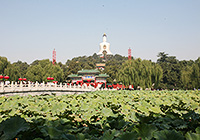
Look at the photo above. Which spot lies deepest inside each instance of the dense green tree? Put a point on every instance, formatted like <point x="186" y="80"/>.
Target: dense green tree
<point x="195" y="75"/>
<point x="168" y="72"/>
<point x="36" y="62"/>
<point x="13" y="71"/>
<point x="171" y="71"/>
<point x="35" y="73"/>
<point x="43" y="69"/>
<point x="186" y="71"/>
<point x="22" y="68"/>
<point x="53" y="71"/>
<point x="3" y="64"/>
<point x="43" y="63"/>
<point x="143" y="73"/>
<point x="113" y="65"/>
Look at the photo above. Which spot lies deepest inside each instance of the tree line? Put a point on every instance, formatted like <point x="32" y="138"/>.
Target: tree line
<point x="167" y="73"/>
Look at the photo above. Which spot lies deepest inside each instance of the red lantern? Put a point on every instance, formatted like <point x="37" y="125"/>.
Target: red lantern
<point x="1" y="76"/>
<point x="24" y="79"/>
<point x="51" y="78"/>
<point x="48" y="78"/>
<point x="6" y="77"/>
<point x="20" y="79"/>
<point x="88" y="80"/>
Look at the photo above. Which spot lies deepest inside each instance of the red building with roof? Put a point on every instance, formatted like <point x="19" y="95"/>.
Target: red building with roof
<point x="88" y="77"/>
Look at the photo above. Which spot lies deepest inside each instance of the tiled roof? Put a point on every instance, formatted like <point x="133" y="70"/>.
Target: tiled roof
<point x="102" y="75"/>
<point x="88" y="71"/>
<point x="73" y="75"/>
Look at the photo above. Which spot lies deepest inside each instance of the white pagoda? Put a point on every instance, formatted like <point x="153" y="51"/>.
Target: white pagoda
<point x="104" y="47"/>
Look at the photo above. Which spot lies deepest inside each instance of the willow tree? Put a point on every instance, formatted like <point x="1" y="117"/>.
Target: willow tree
<point x="3" y="64"/>
<point x="186" y="80"/>
<point x="195" y="75"/>
<point x="143" y="73"/>
<point x="13" y="71"/>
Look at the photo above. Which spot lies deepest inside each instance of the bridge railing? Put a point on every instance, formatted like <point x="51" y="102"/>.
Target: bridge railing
<point x="21" y="87"/>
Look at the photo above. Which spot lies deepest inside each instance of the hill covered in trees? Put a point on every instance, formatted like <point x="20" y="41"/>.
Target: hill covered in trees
<point x="168" y="72"/>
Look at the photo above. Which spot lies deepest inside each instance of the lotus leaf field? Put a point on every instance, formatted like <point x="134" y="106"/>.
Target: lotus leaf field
<point x="104" y="115"/>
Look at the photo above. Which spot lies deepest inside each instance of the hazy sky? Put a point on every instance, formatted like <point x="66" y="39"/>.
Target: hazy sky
<point x="31" y="29"/>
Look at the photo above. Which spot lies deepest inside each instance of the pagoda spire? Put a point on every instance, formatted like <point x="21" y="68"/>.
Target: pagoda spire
<point x="104" y="47"/>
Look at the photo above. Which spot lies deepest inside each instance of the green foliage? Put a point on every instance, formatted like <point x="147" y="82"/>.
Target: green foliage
<point x="113" y="65"/>
<point x="13" y="71"/>
<point x="22" y="66"/>
<point x="35" y="73"/>
<point x="193" y="136"/>
<point x="179" y="74"/>
<point x="3" y="64"/>
<point x="117" y="115"/>
<point x="166" y="73"/>
<point x="11" y="127"/>
<point x="168" y="135"/>
<point x="195" y="75"/>
<point x="141" y="73"/>
<point x="43" y="69"/>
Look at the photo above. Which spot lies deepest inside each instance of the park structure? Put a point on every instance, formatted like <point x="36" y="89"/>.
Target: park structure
<point x="92" y="77"/>
<point x="104" y="47"/>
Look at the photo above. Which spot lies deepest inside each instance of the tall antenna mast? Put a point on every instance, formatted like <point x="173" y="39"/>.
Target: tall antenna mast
<point x="54" y="57"/>
<point x="129" y="54"/>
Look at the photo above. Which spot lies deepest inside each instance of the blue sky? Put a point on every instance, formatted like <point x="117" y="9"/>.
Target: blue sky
<point x="31" y="29"/>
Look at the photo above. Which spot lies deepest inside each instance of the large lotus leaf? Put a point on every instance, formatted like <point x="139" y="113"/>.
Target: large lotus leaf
<point x="107" y="112"/>
<point x="13" y="112"/>
<point x="156" y="101"/>
<point x="168" y="135"/>
<point x="121" y="124"/>
<point x="193" y="136"/>
<point x="131" y="116"/>
<point x="80" y="136"/>
<point x="143" y="109"/>
<point x="11" y="127"/>
<point x="185" y="100"/>
<point x="114" y="101"/>
<point x="8" y="105"/>
<point x="64" y="121"/>
<point x="38" y="139"/>
<point x="146" y="131"/>
<point x="194" y="105"/>
<point x="155" y="109"/>
<point x="144" y="103"/>
<point x="86" y="116"/>
<point x="125" y="109"/>
<point x="67" y="137"/>
<point x="52" y="132"/>
<point x="45" y="108"/>
<point x="110" y="134"/>
<point x="166" y="102"/>
<point x="73" y="109"/>
<point x="191" y="115"/>
<point x="58" y="108"/>
<point x="129" y="136"/>
<point x="73" y="102"/>
<point x="84" y="106"/>
<point x="179" y="124"/>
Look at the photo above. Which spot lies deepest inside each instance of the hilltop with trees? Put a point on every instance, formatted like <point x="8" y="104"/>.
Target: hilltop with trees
<point x="167" y="73"/>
